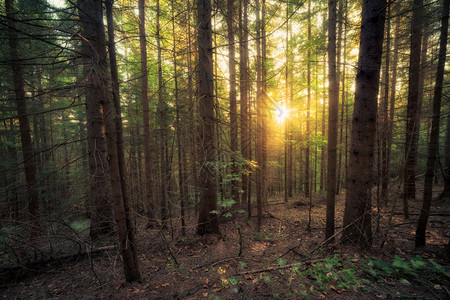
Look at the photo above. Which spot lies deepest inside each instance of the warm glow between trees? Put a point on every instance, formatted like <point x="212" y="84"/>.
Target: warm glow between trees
<point x="282" y="113"/>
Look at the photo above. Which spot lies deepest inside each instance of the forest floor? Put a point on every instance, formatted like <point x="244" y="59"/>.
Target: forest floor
<point x="285" y="260"/>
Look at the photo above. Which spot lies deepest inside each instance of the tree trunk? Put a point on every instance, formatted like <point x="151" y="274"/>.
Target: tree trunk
<point x="433" y="146"/>
<point x="333" y="93"/>
<point x="393" y="83"/>
<point x="24" y="125"/>
<point x="413" y="108"/>
<point x="207" y="221"/>
<point x="308" y="107"/>
<point x="383" y="119"/>
<point x="96" y="73"/>
<point x="162" y="128"/>
<point x="101" y="211"/>
<point x="357" y="218"/>
<point x="182" y="162"/>
<point x="149" y="186"/>
<point x="245" y="105"/>
<point x="233" y="105"/>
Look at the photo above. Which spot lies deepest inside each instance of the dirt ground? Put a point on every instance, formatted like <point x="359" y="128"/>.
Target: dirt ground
<point x="286" y="260"/>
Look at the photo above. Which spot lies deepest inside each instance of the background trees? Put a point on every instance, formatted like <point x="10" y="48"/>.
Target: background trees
<point x="223" y="103"/>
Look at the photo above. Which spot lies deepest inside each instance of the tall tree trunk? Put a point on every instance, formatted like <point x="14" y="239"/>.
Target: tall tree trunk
<point x="24" y="125"/>
<point x="245" y="103"/>
<point x="357" y="218"/>
<point x="393" y="83"/>
<point x="162" y="128"/>
<point x="132" y="269"/>
<point x="333" y="96"/>
<point x="308" y="106"/>
<point x="182" y="161"/>
<point x="233" y="105"/>
<point x="96" y="73"/>
<point x="149" y="186"/>
<point x="260" y="114"/>
<point x="101" y="211"/>
<point x="286" y="103"/>
<point x="207" y="221"/>
<point x="433" y="146"/>
<point x="194" y="151"/>
<point x="339" y="22"/>
<point x="413" y="108"/>
<point x="323" y="130"/>
<point x="383" y="119"/>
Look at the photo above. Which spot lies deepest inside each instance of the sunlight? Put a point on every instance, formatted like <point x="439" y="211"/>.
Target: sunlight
<point x="282" y="113"/>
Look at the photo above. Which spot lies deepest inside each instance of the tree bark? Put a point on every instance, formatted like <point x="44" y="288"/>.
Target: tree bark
<point x="149" y="186"/>
<point x="233" y="105"/>
<point x="182" y="161"/>
<point x="433" y="146"/>
<point x="24" y="125"/>
<point x="357" y="218"/>
<point x="333" y="96"/>
<point x="162" y="128"/>
<point x="245" y="105"/>
<point x="413" y="108"/>
<point x="308" y="108"/>
<point x="96" y="73"/>
<point x="100" y="193"/>
<point x="383" y="119"/>
<point x="207" y="221"/>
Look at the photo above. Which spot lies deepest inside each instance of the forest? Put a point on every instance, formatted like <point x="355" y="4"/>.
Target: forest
<point x="198" y="149"/>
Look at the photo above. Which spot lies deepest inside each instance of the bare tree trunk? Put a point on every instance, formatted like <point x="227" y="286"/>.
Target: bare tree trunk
<point x="207" y="221"/>
<point x="392" y="97"/>
<point x="149" y="186"/>
<point x="413" y="108"/>
<point x="162" y="128"/>
<point x="433" y="146"/>
<point x="357" y="218"/>
<point x="233" y="105"/>
<point x="24" y="125"/>
<point x="96" y="72"/>
<point x="179" y="133"/>
<point x="286" y="102"/>
<point x="245" y="103"/>
<point x="333" y="94"/>
<point x="124" y="183"/>
<point x="308" y="107"/>
<point x="383" y="119"/>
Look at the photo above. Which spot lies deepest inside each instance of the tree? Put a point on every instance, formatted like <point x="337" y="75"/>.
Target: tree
<point x="233" y="104"/>
<point x="308" y="110"/>
<point x="433" y="146"/>
<point x="207" y="219"/>
<point x="357" y="218"/>
<point x="333" y="96"/>
<point x="413" y="108"/>
<point x="101" y="206"/>
<point x="96" y="74"/>
<point x="24" y="125"/>
<point x="164" y="168"/>
<point x="148" y="169"/>
<point x="245" y="105"/>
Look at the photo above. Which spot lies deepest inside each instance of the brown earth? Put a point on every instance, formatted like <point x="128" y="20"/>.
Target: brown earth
<point x="285" y="260"/>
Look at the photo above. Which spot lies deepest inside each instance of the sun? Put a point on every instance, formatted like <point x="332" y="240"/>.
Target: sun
<point x="282" y="113"/>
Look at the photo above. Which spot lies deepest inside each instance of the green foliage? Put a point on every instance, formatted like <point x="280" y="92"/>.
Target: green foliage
<point x="80" y="225"/>
<point x="402" y="269"/>
<point x="281" y="262"/>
